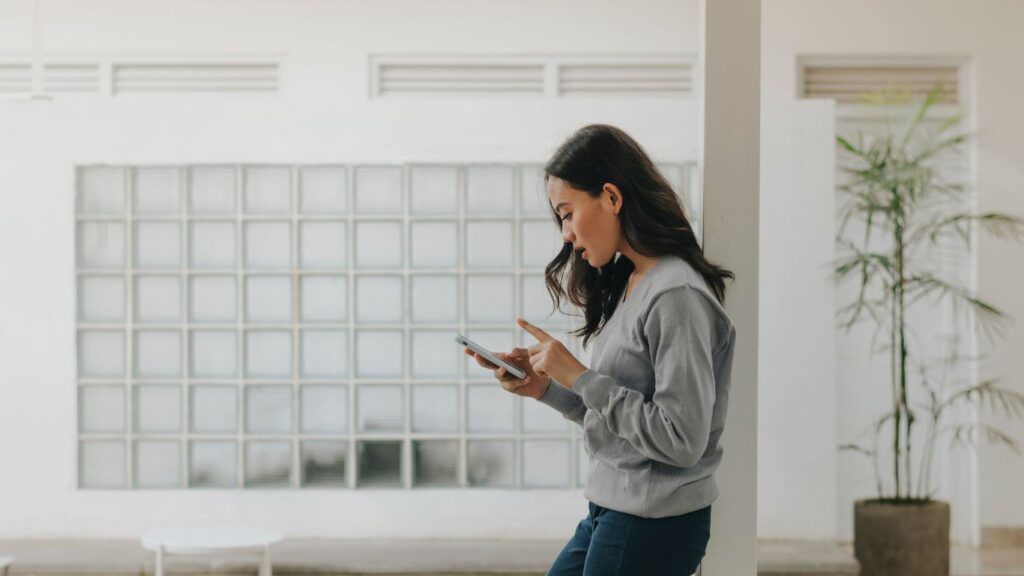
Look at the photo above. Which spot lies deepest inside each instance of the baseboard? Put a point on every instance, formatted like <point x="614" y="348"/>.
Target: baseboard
<point x="1002" y="536"/>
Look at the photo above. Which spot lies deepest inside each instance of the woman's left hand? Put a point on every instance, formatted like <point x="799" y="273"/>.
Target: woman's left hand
<point x="551" y="358"/>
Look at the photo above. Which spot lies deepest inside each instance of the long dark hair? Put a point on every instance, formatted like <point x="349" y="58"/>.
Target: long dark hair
<point x="652" y="221"/>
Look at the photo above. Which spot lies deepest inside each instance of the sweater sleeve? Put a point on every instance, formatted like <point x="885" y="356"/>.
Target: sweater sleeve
<point x="565" y="401"/>
<point x="675" y="425"/>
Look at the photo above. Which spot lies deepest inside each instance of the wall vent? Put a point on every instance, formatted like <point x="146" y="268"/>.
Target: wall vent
<point x="15" y="78"/>
<point x="460" y="78"/>
<point x="541" y="76"/>
<point x="175" y="77"/>
<point x="850" y="83"/>
<point x="626" y="79"/>
<point x="84" y="78"/>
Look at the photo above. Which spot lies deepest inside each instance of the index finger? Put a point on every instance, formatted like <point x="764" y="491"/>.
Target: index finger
<point x="537" y="333"/>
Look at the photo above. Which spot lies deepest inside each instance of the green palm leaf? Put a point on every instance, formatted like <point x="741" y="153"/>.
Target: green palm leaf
<point x="911" y="214"/>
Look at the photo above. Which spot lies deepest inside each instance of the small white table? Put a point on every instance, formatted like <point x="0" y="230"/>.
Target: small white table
<point x="5" y="563"/>
<point x="210" y="540"/>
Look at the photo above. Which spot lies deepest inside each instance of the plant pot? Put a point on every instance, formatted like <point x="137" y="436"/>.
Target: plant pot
<point x="902" y="539"/>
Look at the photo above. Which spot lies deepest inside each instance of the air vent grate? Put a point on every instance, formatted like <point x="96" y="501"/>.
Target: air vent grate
<point x="458" y="79"/>
<point x="71" y="78"/>
<point x="851" y="84"/>
<point x="199" y="77"/>
<point x="633" y="79"/>
<point x="15" y="78"/>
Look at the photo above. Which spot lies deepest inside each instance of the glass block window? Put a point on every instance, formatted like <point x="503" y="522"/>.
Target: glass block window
<point x="293" y="327"/>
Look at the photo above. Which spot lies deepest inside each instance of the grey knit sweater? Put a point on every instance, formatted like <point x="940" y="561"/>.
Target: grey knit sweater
<point x="653" y="403"/>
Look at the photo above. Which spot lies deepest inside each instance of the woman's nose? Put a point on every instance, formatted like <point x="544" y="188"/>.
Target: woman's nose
<point x="567" y="235"/>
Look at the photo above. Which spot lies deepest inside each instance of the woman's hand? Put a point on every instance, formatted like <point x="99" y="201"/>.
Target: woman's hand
<point x="533" y="386"/>
<point x="549" y="357"/>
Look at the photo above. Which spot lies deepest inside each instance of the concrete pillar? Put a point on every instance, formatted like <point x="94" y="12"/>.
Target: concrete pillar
<point x="729" y="159"/>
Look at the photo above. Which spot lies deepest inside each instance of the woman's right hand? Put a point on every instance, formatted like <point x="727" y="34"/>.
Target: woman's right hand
<point x="533" y="386"/>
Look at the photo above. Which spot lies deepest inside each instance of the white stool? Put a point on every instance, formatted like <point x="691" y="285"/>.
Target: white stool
<point x="210" y="540"/>
<point x="5" y="563"/>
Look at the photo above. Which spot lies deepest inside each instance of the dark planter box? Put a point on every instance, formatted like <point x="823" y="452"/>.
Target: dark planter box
<point x="904" y="539"/>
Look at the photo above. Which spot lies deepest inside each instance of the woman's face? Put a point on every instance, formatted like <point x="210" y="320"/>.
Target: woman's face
<point x="590" y="224"/>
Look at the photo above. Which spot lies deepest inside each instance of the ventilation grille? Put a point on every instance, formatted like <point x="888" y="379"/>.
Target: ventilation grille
<point x="71" y="78"/>
<point x="593" y="79"/>
<point x="853" y="84"/>
<point x="460" y="79"/>
<point x="125" y="77"/>
<point x="180" y="77"/>
<point x="15" y="78"/>
<point x="538" y="76"/>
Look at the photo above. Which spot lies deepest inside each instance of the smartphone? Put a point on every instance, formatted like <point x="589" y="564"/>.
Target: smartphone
<point x="490" y="357"/>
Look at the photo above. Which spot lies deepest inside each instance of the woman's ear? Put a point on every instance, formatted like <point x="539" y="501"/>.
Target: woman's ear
<point x="614" y="196"/>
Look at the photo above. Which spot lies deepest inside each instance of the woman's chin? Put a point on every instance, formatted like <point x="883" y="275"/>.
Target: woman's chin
<point x="595" y="261"/>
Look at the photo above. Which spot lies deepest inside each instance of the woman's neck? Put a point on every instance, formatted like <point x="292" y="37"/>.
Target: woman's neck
<point x="641" y="263"/>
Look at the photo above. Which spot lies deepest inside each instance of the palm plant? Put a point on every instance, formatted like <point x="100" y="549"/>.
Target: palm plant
<point x="910" y="213"/>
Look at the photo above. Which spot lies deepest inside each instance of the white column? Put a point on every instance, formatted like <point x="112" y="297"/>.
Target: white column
<point x="729" y="150"/>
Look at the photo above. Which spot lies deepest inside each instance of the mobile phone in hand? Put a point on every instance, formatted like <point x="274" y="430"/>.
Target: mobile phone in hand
<point x="490" y="357"/>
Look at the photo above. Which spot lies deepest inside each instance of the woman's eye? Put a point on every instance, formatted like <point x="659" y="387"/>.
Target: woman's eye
<point x="566" y="217"/>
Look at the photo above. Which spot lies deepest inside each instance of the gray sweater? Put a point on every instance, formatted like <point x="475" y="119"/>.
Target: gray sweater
<point x="652" y="405"/>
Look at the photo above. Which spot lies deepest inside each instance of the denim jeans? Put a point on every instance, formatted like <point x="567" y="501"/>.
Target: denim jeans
<point x="609" y="543"/>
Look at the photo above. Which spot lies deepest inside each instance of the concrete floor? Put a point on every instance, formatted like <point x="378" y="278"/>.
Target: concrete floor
<point x="988" y="562"/>
<point x="806" y="558"/>
<point x="424" y="558"/>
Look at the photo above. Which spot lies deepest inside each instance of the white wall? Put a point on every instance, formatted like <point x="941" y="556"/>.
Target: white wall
<point x="323" y="116"/>
<point x="796" y="491"/>
<point x="987" y="32"/>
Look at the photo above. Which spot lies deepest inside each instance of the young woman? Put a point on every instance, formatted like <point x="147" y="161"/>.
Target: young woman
<point x="653" y="403"/>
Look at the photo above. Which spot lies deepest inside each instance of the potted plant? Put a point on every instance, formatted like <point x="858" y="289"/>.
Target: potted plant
<point x="908" y="212"/>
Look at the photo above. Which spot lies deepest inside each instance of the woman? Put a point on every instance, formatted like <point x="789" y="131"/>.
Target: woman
<point x="652" y="405"/>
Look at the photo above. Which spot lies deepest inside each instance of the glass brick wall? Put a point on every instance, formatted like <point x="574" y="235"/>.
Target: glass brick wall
<point x="293" y="326"/>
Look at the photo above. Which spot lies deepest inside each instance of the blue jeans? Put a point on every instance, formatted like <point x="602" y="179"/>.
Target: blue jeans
<point x="609" y="543"/>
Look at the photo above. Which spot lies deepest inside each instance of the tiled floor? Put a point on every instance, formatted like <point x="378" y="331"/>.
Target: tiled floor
<point x="785" y="557"/>
<point x="802" y="557"/>
<point x="438" y="557"/>
<point x="965" y="561"/>
<point x="987" y="562"/>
